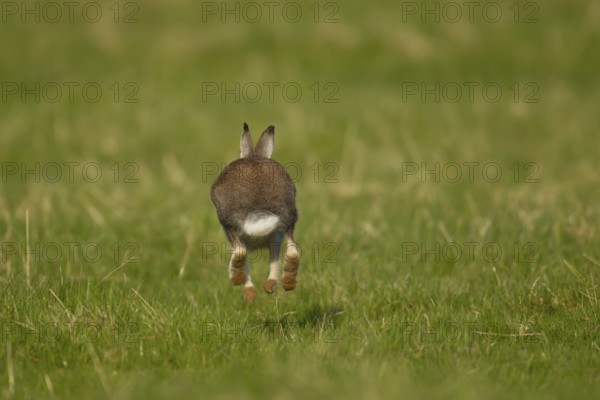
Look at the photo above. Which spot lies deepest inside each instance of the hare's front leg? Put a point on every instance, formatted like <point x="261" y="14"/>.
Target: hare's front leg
<point x="239" y="271"/>
<point x="292" y="263"/>
<point x="274" y="268"/>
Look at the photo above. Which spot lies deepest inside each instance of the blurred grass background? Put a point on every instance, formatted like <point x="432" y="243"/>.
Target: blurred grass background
<point x="175" y="131"/>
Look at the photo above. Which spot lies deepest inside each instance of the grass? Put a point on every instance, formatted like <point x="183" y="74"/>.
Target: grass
<point x="410" y="285"/>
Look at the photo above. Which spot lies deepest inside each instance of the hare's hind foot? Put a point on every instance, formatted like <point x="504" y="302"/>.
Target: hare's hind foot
<point x="289" y="282"/>
<point x="290" y="269"/>
<point x="238" y="266"/>
<point x="237" y="277"/>
<point x="270" y="285"/>
<point x="250" y="294"/>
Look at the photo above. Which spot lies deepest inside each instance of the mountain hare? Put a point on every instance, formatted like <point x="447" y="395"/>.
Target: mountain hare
<point x="255" y="200"/>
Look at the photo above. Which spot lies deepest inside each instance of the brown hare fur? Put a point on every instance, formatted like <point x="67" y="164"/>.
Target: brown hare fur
<point x="255" y="200"/>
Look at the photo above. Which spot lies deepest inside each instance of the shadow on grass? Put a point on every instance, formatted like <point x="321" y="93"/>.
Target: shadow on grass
<point x="317" y="322"/>
<point x="319" y="315"/>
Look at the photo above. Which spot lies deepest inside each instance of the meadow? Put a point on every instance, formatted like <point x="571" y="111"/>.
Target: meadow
<point x="446" y="163"/>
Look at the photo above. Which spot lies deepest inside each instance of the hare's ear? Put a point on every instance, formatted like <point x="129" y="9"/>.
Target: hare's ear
<point x="264" y="147"/>
<point x="246" y="148"/>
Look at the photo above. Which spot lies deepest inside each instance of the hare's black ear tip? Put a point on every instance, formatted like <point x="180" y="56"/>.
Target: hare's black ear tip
<point x="246" y="127"/>
<point x="270" y="128"/>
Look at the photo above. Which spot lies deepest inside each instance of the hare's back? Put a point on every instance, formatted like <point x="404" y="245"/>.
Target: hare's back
<point x="256" y="179"/>
<point x="254" y="185"/>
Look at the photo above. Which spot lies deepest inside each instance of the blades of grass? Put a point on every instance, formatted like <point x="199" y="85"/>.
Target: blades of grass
<point x="572" y="269"/>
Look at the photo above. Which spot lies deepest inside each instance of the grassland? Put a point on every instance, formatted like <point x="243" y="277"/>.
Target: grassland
<point x="415" y="282"/>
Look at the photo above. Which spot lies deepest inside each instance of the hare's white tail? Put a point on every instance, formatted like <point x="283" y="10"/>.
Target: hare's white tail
<point x="260" y="224"/>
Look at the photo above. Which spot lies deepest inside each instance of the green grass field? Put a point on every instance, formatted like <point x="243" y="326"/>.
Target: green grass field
<point x="448" y="182"/>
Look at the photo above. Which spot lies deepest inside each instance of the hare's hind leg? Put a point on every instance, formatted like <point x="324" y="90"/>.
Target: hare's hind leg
<point x="274" y="268"/>
<point x="239" y="271"/>
<point x="239" y="259"/>
<point x="292" y="263"/>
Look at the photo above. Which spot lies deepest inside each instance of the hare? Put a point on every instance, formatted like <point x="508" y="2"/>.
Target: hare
<point x="255" y="200"/>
